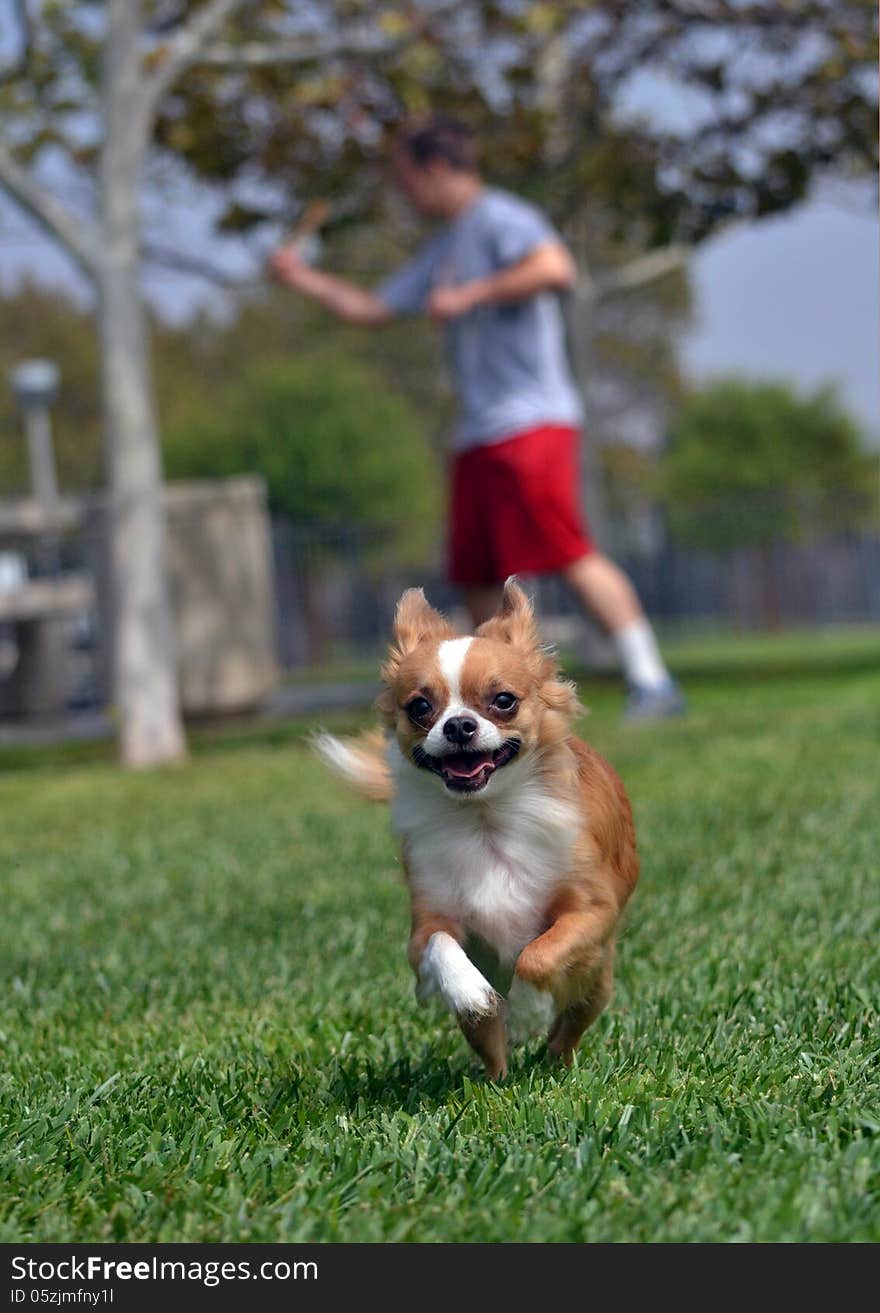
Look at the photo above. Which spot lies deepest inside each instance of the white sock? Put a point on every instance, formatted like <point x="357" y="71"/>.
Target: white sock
<point x="640" y="656"/>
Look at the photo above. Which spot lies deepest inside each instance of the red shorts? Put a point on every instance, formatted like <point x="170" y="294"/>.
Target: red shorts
<point x="515" y="508"/>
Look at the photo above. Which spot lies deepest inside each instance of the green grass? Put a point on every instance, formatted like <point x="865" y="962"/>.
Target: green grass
<point x="208" y="1030"/>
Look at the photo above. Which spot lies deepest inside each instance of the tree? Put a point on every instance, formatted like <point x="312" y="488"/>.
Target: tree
<point x="346" y="462"/>
<point x="336" y="446"/>
<point x="197" y="364"/>
<point x="101" y="85"/>
<point x="777" y="95"/>
<point x="121" y="102"/>
<point x="753" y="463"/>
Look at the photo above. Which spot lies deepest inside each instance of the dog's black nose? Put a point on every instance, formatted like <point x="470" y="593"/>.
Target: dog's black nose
<point x="460" y="729"/>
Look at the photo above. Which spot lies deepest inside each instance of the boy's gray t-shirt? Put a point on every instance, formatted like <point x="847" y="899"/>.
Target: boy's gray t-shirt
<point x="508" y="361"/>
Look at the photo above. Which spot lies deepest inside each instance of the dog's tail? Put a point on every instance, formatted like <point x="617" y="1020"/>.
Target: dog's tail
<point x="361" y="762"/>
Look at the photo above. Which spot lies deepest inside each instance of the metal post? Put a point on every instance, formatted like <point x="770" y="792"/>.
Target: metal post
<point x="44" y="480"/>
<point x="35" y="384"/>
<point x="40" y="679"/>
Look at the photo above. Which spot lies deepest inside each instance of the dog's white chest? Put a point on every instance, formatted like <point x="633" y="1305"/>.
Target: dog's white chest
<point x="493" y="868"/>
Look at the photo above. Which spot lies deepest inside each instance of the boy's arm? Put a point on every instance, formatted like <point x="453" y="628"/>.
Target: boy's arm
<point x="344" y="299"/>
<point x="548" y="267"/>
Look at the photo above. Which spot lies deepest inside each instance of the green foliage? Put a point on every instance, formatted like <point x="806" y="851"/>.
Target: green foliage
<point x="338" y="440"/>
<point x="751" y="462"/>
<point x="336" y="445"/>
<point x="209" y="1030"/>
<point x="194" y="364"/>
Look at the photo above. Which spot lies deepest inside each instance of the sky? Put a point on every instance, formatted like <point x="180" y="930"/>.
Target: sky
<point x="794" y="297"/>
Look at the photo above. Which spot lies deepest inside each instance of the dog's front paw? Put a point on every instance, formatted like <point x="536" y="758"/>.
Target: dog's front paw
<point x="533" y="968"/>
<point x="445" y="969"/>
<point x="474" y="999"/>
<point x="529" y="1011"/>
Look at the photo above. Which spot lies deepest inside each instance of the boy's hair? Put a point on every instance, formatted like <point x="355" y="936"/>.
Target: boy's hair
<point x="440" y="137"/>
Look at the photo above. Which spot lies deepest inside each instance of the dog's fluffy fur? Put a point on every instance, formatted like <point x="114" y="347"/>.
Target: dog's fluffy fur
<point x="517" y="838"/>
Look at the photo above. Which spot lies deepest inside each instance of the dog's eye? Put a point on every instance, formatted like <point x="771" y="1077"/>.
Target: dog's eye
<point x="418" y="708"/>
<point x="504" y="701"/>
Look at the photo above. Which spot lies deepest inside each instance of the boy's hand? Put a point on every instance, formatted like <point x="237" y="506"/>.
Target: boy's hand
<point x="287" y="263"/>
<point x="450" y="302"/>
<point x="342" y="298"/>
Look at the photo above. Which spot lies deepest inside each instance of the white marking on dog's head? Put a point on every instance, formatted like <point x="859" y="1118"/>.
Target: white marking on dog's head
<point x="451" y="656"/>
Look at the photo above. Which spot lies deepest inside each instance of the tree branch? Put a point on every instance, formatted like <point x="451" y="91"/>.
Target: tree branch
<point x="257" y="54"/>
<point x="186" y="44"/>
<point x="196" y="266"/>
<point x="642" y="271"/>
<point x="77" y="235"/>
<point x="357" y="38"/>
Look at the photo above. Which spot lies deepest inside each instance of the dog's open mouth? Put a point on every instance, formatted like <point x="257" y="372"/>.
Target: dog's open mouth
<point x="467" y="772"/>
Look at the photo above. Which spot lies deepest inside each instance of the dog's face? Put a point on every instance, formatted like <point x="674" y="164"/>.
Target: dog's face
<point x="463" y="709"/>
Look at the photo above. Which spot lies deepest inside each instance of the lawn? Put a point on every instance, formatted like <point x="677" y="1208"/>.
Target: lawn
<point x="208" y="1028"/>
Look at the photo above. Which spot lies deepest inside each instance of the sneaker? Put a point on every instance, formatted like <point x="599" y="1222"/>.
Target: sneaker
<point x="660" y="703"/>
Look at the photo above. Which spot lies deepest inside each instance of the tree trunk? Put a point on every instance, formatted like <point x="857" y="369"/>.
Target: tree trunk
<point x="597" y="646"/>
<point x="145" y="675"/>
<point x="581" y="327"/>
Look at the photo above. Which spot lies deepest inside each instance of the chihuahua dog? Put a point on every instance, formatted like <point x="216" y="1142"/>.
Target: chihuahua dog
<point x="517" y="838"/>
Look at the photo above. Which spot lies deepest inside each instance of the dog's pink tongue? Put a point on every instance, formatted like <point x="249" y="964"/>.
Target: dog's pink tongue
<point x="466" y="765"/>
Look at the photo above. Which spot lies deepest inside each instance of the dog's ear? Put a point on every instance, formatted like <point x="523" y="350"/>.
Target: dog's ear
<point x="561" y="695"/>
<point x="515" y="624"/>
<point x="515" y="621"/>
<point x="414" y="620"/>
